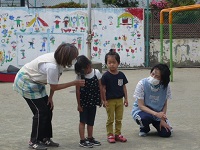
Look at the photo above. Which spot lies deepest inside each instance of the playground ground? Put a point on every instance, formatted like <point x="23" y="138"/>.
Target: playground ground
<point x="183" y="113"/>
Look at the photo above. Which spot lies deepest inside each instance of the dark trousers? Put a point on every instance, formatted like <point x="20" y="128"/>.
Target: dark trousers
<point x="146" y="120"/>
<point x="42" y="116"/>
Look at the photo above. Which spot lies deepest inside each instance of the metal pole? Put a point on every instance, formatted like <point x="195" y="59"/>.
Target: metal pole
<point x="161" y="43"/>
<point x="171" y="41"/>
<point x="22" y="3"/>
<point x="147" y="35"/>
<point x="161" y="36"/>
<point x="89" y="38"/>
<point x="35" y="3"/>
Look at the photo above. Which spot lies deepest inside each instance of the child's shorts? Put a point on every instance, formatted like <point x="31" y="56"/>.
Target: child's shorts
<point x="88" y="114"/>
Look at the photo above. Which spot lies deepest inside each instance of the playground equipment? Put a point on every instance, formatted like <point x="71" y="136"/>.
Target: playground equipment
<point x="171" y="11"/>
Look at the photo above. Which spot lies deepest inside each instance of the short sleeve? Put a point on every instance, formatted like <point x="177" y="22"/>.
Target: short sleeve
<point x="139" y="91"/>
<point x="98" y="74"/>
<point x="51" y="71"/>
<point x="52" y="75"/>
<point x="169" y="95"/>
<point x="125" y="79"/>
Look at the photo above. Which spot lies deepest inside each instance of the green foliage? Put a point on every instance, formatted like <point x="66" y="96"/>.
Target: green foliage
<point x="121" y="3"/>
<point x="71" y="5"/>
<point x="67" y="5"/>
<point x="177" y="3"/>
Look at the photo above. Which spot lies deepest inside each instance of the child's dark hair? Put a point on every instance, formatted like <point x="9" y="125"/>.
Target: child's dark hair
<point x="81" y="64"/>
<point x="164" y="72"/>
<point x="112" y="53"/>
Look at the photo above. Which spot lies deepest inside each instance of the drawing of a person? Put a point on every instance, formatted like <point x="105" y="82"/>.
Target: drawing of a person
<point x="31" y="43"/>
<point x="18" y="21"/>
<point x="23" y="53"/>
<point x="44" y="44"/>
<point x="74" y="20"/>
<point x="79" y="40"/>
<point x="14" y="45"/>
<point x="66" y="21"/>
<point x="57" y="22"/>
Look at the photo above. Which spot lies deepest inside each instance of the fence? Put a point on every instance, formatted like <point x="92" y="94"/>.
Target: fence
<point x="46" y="3"/>
<point x="43" y="3"/>
<point x="11" y="3"/>
<point x="186" y="24"/>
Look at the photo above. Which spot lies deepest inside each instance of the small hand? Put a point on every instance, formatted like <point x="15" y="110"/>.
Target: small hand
<point x="105" y="103"/>
<point x="126" y="103"/>
<point x="79" y="108"/>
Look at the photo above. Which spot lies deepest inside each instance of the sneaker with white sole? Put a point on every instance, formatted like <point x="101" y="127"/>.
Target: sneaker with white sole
<point x="49" y="143"/>
<point x="167" y="121"/>
<point x="142" y="134"/>
<point x="37" y="146"/>
<point x="85" y="143"/>
<point x="93" y="141"/>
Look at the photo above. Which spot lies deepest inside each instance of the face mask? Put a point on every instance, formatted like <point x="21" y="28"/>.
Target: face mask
<point x="74" y="61"/>
<point x="153" y="81"/>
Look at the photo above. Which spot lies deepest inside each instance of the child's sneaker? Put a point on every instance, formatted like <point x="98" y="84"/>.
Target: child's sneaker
<point x="93" y="141"/>
<point x="37" y="146"/>
<point x="111" y="139"/>
<point x="48" y="142"/>
<point x="120" y="138"/>
<point x="85" y="143"/>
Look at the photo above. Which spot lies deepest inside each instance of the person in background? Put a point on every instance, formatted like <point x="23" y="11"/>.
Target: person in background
<point x="150" y="107"/>
<point x="88" y="98"/>
<point x="114" y="96"/>
<point x="30" y="82"/>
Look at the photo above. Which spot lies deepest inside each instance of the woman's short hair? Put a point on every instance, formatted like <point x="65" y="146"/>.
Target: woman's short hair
<point x="112" y="53"/>
<point x="65" y="53"/>
<point x="164" y="73"/>
<point x="82" y="63"/>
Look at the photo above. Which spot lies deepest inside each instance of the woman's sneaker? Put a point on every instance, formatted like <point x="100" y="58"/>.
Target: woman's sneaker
<point x="85" y="143"/>
<point x="93" y="141"/>
<point x="48" y="142"/>
<point x="37" y="146"/>
<point x="142" y="134"/>
<point x="167" y="121"/>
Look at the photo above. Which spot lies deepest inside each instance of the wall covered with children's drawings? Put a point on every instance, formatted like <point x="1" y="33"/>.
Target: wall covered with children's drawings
<point x="121" y="30"/>
<point x="27" y="33"/>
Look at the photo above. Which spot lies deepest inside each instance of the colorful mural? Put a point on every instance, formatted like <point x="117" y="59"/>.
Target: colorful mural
<point x="27" y="33"/>
<point x="121" y="30"/>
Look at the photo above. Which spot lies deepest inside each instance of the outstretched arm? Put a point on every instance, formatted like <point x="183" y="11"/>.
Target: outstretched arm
<point x="56" y="87"/>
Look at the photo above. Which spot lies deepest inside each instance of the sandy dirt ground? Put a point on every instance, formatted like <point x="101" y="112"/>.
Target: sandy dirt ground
<point x="183" y="113"/>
